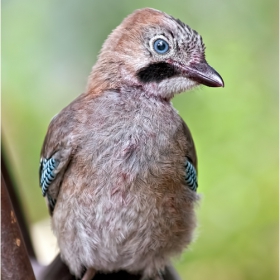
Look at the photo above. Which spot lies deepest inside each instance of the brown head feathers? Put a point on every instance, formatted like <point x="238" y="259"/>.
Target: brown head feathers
<point x="155" y="52"/>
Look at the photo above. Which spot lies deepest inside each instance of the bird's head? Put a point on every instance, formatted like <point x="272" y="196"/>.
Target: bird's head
<point x="156" y="52"/>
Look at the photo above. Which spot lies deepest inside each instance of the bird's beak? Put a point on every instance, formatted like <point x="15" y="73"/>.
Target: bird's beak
<point x="202" y="73"/>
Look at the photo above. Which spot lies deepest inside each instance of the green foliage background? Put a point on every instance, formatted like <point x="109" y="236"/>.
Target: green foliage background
<point x="48" y="49"/>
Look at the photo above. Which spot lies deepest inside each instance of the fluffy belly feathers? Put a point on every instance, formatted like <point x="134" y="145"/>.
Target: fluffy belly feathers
<point x="132" y="221"/>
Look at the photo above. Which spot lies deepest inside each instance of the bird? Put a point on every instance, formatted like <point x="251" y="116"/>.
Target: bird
<point x="118" y="164"/>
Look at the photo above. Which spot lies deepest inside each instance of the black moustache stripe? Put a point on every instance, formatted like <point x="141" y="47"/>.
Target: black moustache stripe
<point x="157" y="72"/>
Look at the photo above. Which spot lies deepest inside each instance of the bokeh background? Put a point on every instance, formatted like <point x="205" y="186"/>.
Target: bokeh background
<point x="48" y="49"/>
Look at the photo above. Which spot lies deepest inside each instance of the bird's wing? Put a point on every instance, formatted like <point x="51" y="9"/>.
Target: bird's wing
<point x="190" y="176"/>
<point x="52" y="170"/>
<point x="57" y="152"/>
<point x="191" y="160"/>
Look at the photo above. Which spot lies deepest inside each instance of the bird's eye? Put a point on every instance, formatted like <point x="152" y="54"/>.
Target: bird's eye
<point x="161" y="46"/>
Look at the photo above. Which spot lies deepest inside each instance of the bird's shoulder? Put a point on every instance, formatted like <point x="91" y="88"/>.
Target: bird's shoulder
<point x="190" y="146"/>
<point x="59" y="147"/>
<point x="64" y="126"/>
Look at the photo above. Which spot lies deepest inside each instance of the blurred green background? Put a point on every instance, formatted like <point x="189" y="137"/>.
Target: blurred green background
<point x="48" y="49"/>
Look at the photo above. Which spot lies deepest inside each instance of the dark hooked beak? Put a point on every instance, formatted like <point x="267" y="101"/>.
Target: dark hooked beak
<point x="202" y="73"/>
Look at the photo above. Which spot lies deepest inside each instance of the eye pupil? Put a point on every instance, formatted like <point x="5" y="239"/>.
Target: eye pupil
<point x="161" y="46"/>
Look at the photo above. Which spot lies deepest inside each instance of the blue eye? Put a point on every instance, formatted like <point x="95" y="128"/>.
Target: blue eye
<point x="161" y="46"/>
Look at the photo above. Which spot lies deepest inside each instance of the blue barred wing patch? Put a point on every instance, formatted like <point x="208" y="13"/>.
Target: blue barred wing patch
<point x="47" y="174"/>
<point x="190" y="177"/>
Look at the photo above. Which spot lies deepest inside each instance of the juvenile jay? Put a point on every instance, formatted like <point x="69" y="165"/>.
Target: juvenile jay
<point x="118" y="164"/>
